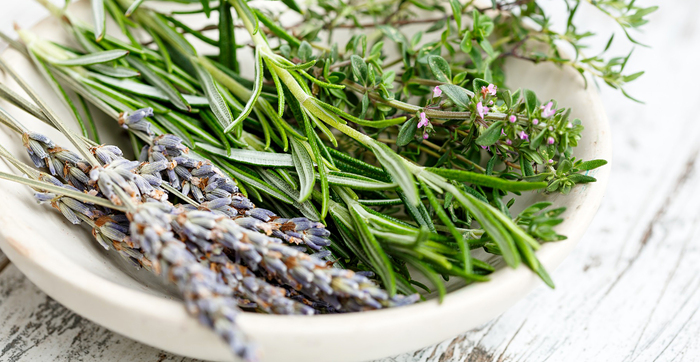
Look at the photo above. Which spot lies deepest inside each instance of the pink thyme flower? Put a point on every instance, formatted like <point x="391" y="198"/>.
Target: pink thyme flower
<point x="437" y="92"/>
<point x="490" y="103"/>
<point x="535" y="121"/>
<point x="481" y="110"/>
<point x="423" y="120"/>
<point x="425" y="136"/>
<point x="512" y="118"/>
<point x="550" y="128"/>
<point x="523" y="135"/>
<point x="492" y="89"/>
<point x="509" y="142"/>
<point x="570" y="125"/>
<point x="547" y="110"/>
<point x="550" y="161"/>
<point x="550" y="140"/>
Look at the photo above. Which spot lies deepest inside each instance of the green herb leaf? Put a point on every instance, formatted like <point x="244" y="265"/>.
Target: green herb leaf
<point x="466" y="44"/>
<point x="91" y="59"/>
<point x="359" y="69"/>
<point x="396" y="167"/>
<point x="457" y="12"/>
<point x="590" y="165"/>
<point x="485" y="180"/>
<point x="216" y="101"/>
<point x="305" y="169"/>
<point x="133" y="7"/>
<point x="374" y="250"/>
<point x="99" y="17"/>
<point x="440" y="68"/>
<point x="253" y="181"/>
<point x="458" y="95"/>
<point x="530" y="102"/>
<point x="407" y="133"/>
<point x="257" y="88"/>
<point x="116" y="72"/>
<point x="358" y="182"/>
<point x="491" y="135"/>
<point x="227" y="37"/>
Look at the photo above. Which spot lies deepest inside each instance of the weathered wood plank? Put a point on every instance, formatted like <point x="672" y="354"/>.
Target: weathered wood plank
<point x="34" y="327"/>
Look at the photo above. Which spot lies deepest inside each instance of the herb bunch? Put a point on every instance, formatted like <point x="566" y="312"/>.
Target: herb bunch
<point x="400" y="156"/>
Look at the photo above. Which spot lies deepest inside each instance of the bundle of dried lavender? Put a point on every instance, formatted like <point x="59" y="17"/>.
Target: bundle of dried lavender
<point x="208" y="185"/>
<point x="206" y="293"/>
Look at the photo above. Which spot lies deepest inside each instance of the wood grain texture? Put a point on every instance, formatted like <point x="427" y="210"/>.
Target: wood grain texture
<point x="629" y="292"/>
<point x="34" y="327"/>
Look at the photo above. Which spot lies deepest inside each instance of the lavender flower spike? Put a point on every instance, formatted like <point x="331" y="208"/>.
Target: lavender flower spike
<point x="341" y="289"/>
<point x="135" y="121"/>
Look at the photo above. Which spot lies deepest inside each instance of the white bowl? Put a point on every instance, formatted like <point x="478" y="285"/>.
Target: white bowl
<point x="66" y="263"/>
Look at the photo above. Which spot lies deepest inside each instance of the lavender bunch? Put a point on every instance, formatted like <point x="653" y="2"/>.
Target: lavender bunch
<point x="207" y="184"/>
<point x="206" y="293"/>
<point x="224" y="200"/>
<point x="146" y="232"/>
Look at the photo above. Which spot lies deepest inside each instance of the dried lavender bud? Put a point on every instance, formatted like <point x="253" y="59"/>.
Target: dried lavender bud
<point x="260" y="294"/>
<point x="120" y="173"/>
<point x="210" y="295"/>
<point x="135" y="121"/>
<point x="107" y="153"/>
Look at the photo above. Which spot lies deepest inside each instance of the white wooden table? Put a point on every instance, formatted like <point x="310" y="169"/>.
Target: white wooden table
<point x="629" y="292"/>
